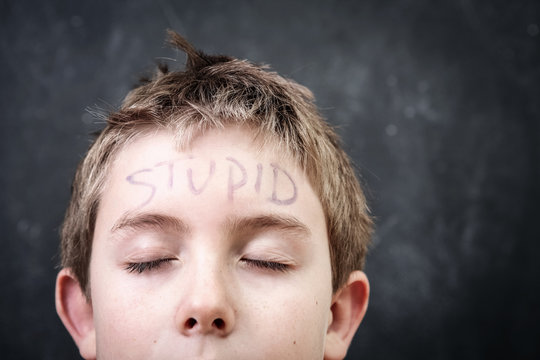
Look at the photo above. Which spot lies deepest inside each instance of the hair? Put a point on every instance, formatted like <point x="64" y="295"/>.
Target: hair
<point x="216" y="92"/>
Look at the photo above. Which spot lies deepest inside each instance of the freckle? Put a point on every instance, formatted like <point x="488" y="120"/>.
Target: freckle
<point x="316" y="302"/>
<point x="155" y="341"/>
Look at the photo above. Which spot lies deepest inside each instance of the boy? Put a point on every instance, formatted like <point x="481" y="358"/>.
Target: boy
<point x="215" y="217"/>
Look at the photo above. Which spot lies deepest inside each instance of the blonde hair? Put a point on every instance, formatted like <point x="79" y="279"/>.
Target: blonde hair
<point x="215" y="92"/>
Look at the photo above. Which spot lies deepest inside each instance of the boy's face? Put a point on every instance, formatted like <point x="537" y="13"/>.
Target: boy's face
<point x="220" y="251"/>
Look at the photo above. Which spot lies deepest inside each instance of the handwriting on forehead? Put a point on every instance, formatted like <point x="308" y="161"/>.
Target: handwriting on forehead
<point x="239" y="177"/>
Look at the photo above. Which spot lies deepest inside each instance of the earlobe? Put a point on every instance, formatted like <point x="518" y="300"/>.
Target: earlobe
<point x="349" y="306"/>
<point x="76" y="313"/>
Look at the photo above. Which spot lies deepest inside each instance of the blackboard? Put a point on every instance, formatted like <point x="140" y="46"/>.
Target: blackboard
<point x="436" y="101"/>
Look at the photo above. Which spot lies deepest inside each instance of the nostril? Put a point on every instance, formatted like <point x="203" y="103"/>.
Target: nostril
<point x="219" y="323"/>
<point x="190" y="323"/>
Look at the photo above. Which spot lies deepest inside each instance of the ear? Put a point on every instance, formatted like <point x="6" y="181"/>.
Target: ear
<point x="349" y="306"/>
<point x="75" y="311"/>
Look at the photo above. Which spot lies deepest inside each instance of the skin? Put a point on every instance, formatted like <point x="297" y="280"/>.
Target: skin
<point x="218" y="251"/>
<point x="209" y="300"/>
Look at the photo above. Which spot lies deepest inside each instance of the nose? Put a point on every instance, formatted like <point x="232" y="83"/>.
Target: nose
<point x="206" y="307"/>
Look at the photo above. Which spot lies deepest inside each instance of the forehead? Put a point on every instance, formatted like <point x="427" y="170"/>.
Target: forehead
<point x="228" y="168"/>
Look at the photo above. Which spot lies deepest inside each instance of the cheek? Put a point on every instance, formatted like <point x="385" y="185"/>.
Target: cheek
<point x="311" y="320"/>
<point x="130" y="324"/>
<point x="124" y="317"/>
<point x="295" y="323"/>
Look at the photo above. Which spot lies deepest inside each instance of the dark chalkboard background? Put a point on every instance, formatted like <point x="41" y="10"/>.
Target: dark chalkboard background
<point x="437" y="102"/>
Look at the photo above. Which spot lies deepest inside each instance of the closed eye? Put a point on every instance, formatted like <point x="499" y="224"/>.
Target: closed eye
<point x="140" y="267"/>
<point x="267" y="265"/>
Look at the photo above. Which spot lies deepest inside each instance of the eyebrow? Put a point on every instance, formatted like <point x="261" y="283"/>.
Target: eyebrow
<point x="233" y="225"/>
<point x="149" y="221"/>
<point x="287" y="224"/>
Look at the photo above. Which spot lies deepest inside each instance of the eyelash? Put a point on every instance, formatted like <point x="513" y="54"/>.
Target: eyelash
<point x="267" y="265"/>
<point x="141" y="267"/>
